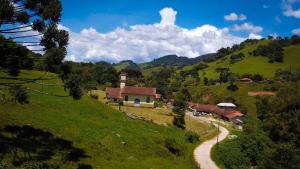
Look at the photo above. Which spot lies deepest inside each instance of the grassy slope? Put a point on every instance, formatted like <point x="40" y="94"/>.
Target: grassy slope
<point x="95" y="127"/>
<point x="164" y="116"/>
<point x="252" y="64"/>
<point x="249" y="65"/>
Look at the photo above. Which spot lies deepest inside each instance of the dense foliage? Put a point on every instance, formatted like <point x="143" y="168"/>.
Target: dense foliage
<point x="273" y="137"/>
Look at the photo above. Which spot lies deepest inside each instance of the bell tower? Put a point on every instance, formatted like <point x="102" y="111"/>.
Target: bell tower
<point x="123" y="78"/>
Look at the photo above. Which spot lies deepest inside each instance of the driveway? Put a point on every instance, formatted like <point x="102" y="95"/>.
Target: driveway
<point x="202" y="152"/>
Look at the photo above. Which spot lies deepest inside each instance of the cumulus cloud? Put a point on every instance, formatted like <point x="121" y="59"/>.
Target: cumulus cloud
<point x="168" y="16"/>
<point x="142" y="43"/>
<point x="234" y="17"/>
<point x="247" y="27"/>
<point x="296" y="31"/>
<point x="288" y="9"/>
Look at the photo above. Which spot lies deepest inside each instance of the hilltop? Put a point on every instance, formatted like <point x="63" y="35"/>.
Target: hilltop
<point x="126" y="64"/>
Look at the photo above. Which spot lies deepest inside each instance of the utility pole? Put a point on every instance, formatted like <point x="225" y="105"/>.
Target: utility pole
<point x="218" y="131"/>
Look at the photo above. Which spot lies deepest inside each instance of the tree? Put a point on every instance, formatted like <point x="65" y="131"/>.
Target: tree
<point x="224" y="75"/>
<point x="19" y="94"/>
<point x="179" y="110"/>
<point x="104" y="72"/>
<point x="53" y="59"/>
<point x="34" y="17"/>
<point x="232" y="86"/>
<point x="205" y="81"/>
<point x="73" y="84"/>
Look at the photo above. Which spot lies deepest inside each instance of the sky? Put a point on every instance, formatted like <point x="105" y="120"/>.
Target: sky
<point x="142" y="30"/>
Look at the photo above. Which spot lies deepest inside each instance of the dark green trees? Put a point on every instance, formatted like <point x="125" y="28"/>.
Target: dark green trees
<point x="179" y="110"/>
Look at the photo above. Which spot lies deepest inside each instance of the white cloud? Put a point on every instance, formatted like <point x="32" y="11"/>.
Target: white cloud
<point x="254" y="36"/>
<point x="247" y="27"/>
<point x="142" y="43"/>
<point x="168" y="16"/>
<point x="234" y="17"/>
<point x="288" y="9"/>
<point x="296" y="31"/>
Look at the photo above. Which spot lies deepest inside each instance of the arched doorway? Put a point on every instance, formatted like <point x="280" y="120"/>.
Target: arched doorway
<point x="137" y="102"/>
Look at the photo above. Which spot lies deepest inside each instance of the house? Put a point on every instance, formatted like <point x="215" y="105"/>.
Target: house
<point x="130" y="95"/>
<point x="224" y="111"/>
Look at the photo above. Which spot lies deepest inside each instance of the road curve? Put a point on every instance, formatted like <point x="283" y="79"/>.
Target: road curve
<point x="202" y="152"/>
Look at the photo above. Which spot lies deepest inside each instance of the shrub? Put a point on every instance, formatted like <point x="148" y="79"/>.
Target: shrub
<point x="94" y="96"/>
<point x="232" y="87"/>
<point x="236" y="57"/>
<point x="191" y="137"/>
<point x="19" y="94"/>
<point x="174" y="147"/>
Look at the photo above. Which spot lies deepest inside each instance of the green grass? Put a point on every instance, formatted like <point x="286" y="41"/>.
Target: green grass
<point x="254" y="64"/>
<point x="164" y="116"/>
<point x="215" y="151"/>
<point x="96" y="128"/>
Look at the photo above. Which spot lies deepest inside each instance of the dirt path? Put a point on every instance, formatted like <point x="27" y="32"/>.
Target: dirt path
<point x="202" y="152"/>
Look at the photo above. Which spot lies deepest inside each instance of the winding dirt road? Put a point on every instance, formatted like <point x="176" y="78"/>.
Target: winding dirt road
<point x="202" y="152"/>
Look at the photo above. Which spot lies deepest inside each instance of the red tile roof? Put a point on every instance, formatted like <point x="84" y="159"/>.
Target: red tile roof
<point x="139" y="90"/>
<point x="233" y="114"/>
<point x="117" y="92"/>
<point x="209" y="108"/>
<point x="113" y="92"/>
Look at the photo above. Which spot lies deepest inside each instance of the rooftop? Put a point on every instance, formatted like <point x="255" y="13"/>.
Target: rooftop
<point x="226" y="105"/>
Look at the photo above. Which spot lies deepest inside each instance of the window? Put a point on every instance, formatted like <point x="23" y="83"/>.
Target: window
<point x="126" y="98"/>
<point x="148" y="99"/>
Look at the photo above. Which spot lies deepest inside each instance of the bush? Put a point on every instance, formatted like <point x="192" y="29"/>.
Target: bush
<point x="191" y="137"/>
<point x="36" y="165"/>
<point x="19" y="94"/>
<point x="94" y="96"/>
<point x="174" y="147"/>
<point x="232" y="87"/>
<point x="236" y="57"/>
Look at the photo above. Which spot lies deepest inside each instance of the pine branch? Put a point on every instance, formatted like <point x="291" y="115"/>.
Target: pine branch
<point x="27" y="36"/>
<point x="11" y="29"/>
<point x="33" y="45"/>
<point x="26" y="42"/>
<point x="16" y="31"/>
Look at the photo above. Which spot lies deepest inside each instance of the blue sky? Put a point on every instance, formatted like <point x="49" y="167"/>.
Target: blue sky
<point x="113" y="21"/>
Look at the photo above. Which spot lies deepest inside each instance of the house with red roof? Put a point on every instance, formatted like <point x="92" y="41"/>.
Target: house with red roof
<point x="224" y="111"/>
<point x="130" y="95"/>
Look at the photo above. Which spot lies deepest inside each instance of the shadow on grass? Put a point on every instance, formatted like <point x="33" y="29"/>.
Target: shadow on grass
<point x="25" y="143"/>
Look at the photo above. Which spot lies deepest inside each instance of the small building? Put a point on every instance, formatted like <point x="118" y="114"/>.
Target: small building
<point x="224" y="111"/>
<point x="226" y="106"/>
<point x="246" y="80"/>
<point x="132" y="96"/>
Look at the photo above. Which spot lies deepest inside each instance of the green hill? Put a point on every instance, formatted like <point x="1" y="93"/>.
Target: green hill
<point x="171" y="60"/>
<point x="253" y="64"/>
<point x="107" y="138"/>
<point x="249" y="65"/>
<point x="126" y="64"/>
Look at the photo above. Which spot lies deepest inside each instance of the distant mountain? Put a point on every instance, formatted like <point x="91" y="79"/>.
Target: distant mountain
<point x="126" y="64"/>
<point x="174" y="60"/>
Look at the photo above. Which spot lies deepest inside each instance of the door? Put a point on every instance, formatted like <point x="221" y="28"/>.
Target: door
<point x="137" y="102"/>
